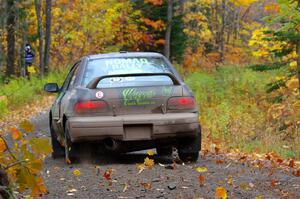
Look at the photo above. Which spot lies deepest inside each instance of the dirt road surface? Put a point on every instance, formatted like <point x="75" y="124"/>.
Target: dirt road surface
<point x="241" y="180"/>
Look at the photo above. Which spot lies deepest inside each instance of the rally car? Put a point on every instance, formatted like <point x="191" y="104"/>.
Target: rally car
<point x="125" y="102"/>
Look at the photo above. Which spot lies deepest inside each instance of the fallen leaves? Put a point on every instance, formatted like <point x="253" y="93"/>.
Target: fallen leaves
<point x="76" y="172"/>
<point x="71" y="192"/>
<point x="149" y="163"/>
<point x="201" y="180"/>
<point x="107" y="174"/>
<point x="146" y="185"/>
<point x="201" y="169"/>
<point x="297" y="173"/>
<point x="150" y="152"/>
<point x="221" y="193"/>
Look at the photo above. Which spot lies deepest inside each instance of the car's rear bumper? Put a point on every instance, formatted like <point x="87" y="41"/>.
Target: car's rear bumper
<point x="134" y="127"/>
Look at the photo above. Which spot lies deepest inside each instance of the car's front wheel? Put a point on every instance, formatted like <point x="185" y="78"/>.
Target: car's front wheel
<point x="189" y="148"/>
<point x="58" y="150"/>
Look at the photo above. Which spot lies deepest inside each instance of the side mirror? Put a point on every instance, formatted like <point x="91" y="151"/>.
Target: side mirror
<point x="51" y="88"/>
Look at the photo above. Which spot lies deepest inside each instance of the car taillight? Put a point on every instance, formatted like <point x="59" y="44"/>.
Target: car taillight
<point x="182" y="103"/>
<point x="90" y="106"/>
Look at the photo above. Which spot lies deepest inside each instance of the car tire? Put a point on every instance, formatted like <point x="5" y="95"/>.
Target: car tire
<point x="164" y="151"/>
<point x="58" y="150"/>
<point x="188" y="149"/>
<point x="70" y="148"/>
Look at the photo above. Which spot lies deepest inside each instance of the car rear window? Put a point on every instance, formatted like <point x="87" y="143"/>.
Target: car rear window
<point x="115" y="66"/>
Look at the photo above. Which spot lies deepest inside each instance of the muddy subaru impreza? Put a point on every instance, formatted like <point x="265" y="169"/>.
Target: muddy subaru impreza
<point x="125" y="102"/>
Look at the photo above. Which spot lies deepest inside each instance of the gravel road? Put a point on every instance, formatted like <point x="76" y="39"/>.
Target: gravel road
<point x="241" y="180"/>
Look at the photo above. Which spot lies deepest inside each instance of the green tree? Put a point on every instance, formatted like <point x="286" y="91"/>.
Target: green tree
<point x="287" y="16"/>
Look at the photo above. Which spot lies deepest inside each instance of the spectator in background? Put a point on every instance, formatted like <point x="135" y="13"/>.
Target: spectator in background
<point x="29" y="58"/>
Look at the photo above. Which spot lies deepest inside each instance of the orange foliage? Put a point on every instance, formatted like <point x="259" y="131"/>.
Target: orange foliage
<point x="157" y="25"/>
<point x="155" y="2"/>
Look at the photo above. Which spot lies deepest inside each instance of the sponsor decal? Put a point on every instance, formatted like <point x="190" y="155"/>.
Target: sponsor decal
<point x="99" y="94"/>
<point x="128" y="63"/>
<point x="135" y="97"/>
<point x="167" y="91"/>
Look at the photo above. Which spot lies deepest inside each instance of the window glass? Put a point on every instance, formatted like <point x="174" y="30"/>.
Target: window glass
<point x="69" y="77"/>
<point x="115" y="66"/>
<point x="76" y="70"/>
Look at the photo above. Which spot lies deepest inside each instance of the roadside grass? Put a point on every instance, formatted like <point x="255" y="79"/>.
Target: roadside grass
<point x="21" y="91"/>
<point x="233" y="106"/>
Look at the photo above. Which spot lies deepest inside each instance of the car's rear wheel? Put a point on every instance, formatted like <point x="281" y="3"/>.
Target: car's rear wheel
<point x="164" y="151"/>
<point x="58" y="150"/>
<point x="70" y="148"/>
<point x="188" y="149"/>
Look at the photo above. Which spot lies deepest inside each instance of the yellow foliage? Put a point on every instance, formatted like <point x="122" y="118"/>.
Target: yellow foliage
<point x="201" y="169"/>
<point x="27" y="126"/>
<point x="24" y="160"/>
<point x="149" y="162"/>
<point x="293" y="83"/>
<point x="150" y="152"/>
<point x="293" y="65"/>
<point x="221" y="193"/>
<point x="261" y="47"/>
<point x="2" y="145"/>
<point x="15" y="133"/>
<point x="242" y="2"/>
<point x="76" y="172"/>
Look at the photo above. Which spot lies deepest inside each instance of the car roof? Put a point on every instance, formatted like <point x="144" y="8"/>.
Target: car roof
<point x="125" y="54"/>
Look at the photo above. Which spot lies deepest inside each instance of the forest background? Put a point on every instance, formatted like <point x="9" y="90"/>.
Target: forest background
<point x="240" y="57"/>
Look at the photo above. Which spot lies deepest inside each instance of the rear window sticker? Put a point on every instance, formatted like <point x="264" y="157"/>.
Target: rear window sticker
<point x="99" y="94"/>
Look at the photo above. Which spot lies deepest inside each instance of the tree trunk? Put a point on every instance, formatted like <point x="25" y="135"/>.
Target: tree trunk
<point x="298" y="62"/>
<point x="222" y="33"/>
<point x="169" y="29"/>
<point x="47" y="35"/>
<point x="217" y="29"/>
<point x="2" y="26"/>
<point x="298" y="53"/>
<point x="4" y="183"/>
<point x="10" y="27"/>
<point x="38" y="10"/>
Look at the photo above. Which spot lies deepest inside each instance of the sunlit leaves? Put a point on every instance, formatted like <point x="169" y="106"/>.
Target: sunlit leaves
<point x="24" y="160"/>
<point x="155" y="2"/>
<point x="243" y="2"/>
<point x="16" y="134"/>
<point x="2" y="145"/>
<point x="40" y="146"/>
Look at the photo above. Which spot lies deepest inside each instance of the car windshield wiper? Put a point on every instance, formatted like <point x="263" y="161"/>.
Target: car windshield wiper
<point x="93" y="84"/>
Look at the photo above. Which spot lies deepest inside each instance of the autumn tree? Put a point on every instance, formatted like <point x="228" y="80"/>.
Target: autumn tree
<point x="2" y="32"/>
<point x="47" y="34"/>
<point x="10" y="27"/>
<point x="38" y="8"/>
<point x="281" y="38"/>
<point x="168" y="29"/>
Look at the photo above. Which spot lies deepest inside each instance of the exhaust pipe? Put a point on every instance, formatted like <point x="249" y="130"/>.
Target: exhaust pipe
<point x="111" y="144"/>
